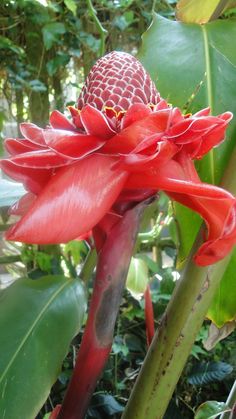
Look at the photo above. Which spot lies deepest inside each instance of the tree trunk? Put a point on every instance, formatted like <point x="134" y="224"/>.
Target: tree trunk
<point x="38" y="101"/>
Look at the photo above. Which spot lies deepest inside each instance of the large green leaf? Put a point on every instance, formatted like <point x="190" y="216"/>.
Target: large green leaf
<point x="194" y="66"/>
<point x="223" y="307"/>
<point x="38" y="319"/>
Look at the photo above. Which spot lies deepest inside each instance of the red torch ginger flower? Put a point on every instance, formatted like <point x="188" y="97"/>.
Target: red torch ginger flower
<point x="124" y="143"/>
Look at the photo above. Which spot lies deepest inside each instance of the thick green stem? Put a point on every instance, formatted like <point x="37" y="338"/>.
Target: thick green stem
<point x="180" y="324"/>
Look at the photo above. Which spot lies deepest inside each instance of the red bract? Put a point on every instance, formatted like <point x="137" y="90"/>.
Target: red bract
<point x="123" y="144"/>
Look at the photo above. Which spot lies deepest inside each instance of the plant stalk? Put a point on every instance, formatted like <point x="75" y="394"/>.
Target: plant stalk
<point x="149" y="316"/>
<point x="113" y="265"/>
<point x="102" y="31"/>
<point x="231" y="402"/>
<point x="180" y="324"/>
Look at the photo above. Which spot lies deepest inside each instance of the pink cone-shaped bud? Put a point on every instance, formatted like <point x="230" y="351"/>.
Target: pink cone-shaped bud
<point x="117" y="81"/>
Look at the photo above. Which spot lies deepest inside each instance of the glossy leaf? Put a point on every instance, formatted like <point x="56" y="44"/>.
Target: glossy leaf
<point x="38" y="319"/>
<point x="137" y="278"/>
<point x="199" y="11"/>
<point x="202" y="73"/>
<point x="10" y="192"/>
<point x="223" y="307"/>
<point x="211" y="410"/>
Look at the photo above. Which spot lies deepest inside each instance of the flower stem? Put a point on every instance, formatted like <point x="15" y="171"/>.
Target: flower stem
<point x="113" y="264"/>
<point x="180" y="324"/>
<point x="149" y="316"/>
<point x="102" y="31"/>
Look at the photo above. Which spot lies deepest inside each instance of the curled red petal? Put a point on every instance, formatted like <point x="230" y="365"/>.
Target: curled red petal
<point x="202" y="112"/>
<point x="212" y="138"/>
<point x="95" y="123"/>
<point x="161" y="105"/>
<point x="75" y="113"/>
<point x="140" y="162"/>
<point x="59" y="121"/>
<point x="199" y="135"/>
<point x="16" y="146"/>
<point x="135" y="113"/>
<point x="40" y="159"/>
<point x="23" y="205"/>
<point x="33" y="179"/>
<point x="128" y="139"/>
<point x="32" y="133"/>
<point x="74" y="201"/>
<point x="216" y="206"/>
<point x="72" y="144"/>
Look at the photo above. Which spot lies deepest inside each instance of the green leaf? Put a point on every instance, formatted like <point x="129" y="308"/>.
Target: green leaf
<point x="38" y="319"/>
<point x="137" y="278"/>
<point x="52" y="32"/>
<point x="223" y="307"/>
<point x="210" y="410"/>
<point x="55" y="63"/>
<point x="199" y="11"/>
<point x="76" y="249"/>
<point x="6" y="43"/>
<point x="71" y="5"/>
<point x="209" y="372"/>
<point x="194" y="66"/>
<point x="10" y="192"/>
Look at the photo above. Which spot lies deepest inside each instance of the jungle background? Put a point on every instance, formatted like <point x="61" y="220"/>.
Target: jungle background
<point x="46" y="50"/>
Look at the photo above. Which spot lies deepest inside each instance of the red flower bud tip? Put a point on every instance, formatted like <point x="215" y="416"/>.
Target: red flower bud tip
<point x="118" y="81"/>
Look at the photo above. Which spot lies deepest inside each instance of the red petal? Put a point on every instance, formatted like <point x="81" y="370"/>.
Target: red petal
<point x="33" y="179"/>
<point x="73" y="202"/>
<point x="23" y="205"/>
<point x="140" y="162"/>
<point x="40" y="159"/>
<point x="59" y="121"/>
<point x="75" y="113"/>
<point x="217" y="206"/>
<point x="202" y="112"/>
<point x="212" y="138"/>
<point x="72" y="144"/>
<point x="125" y="141"/>
<point x="18" y="146"/>
<point x="135" y="113"/>
<point x="95" y="123"/>
<point x="32" y="133"/>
